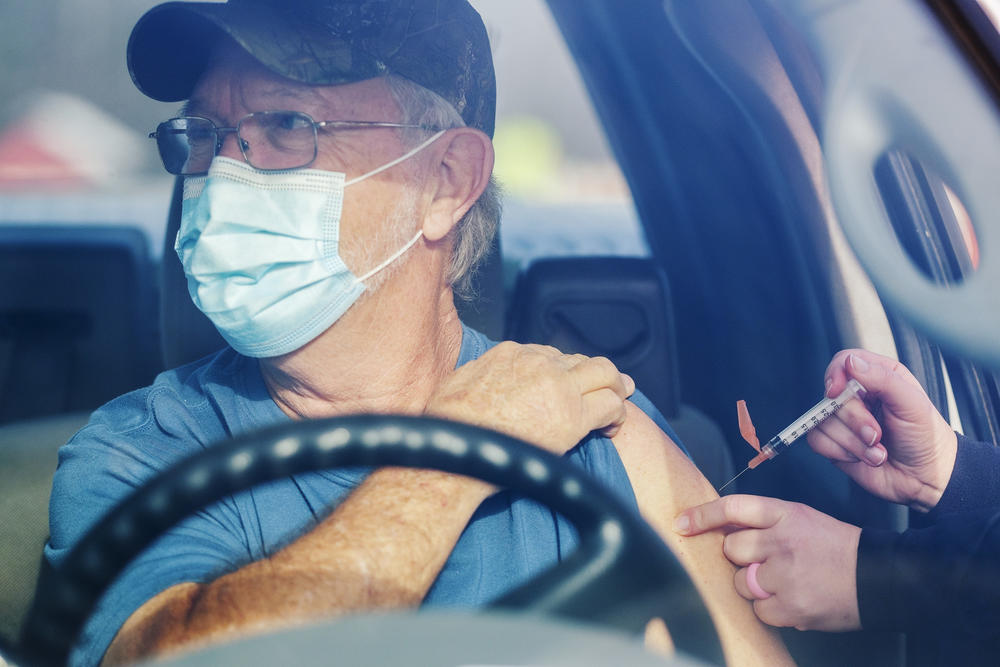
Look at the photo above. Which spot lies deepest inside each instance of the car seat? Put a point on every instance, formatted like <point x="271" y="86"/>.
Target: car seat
<point x="77" y="328"/>
<point x="77" y="317"/>
<point x="619" y="308"/>
<point x="27" y="462"/>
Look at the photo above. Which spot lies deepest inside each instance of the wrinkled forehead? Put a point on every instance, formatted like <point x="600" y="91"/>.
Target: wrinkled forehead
<point x="234" y="83"/>
<point x="440" y="45"/>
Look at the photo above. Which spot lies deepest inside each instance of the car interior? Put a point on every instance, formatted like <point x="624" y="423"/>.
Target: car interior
<point x="808" y="176"/>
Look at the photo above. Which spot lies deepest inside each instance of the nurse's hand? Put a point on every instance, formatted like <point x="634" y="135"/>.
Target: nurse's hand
<point x="797" y="564"/>
<point x="893" y="443"/>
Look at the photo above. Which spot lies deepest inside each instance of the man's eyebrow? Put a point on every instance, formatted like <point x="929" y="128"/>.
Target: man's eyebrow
<point x="193" y="106"/>
<point x="298" y="92"/>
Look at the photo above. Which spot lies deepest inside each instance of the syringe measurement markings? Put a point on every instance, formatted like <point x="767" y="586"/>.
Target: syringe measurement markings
<point x="810" y="420"/>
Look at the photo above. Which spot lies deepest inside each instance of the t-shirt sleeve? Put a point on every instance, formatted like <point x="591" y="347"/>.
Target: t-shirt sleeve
<point x="99" y="467"/>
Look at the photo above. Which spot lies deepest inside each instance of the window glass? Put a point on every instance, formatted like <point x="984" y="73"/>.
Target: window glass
<point x="970" y="243"/>
<point x="565" y="194"/>
<point x="73" y="145"/>
<point x="932" y="224"/>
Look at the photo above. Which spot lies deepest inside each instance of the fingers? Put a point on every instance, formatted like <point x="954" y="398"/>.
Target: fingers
<point x="851" y="435"/>
<point x="603" y="389"/>
<point x="768" y="609"/>
<point x="589" y="373"/>
<point x="854" y="433"/>
<point x="596" y="373"/>
<point x="605" y="411"/>
<point x="736" y="510"/>
<point x="742" y="583"/>
<point x="603" y="392"/>
<point x="882" y="377"/>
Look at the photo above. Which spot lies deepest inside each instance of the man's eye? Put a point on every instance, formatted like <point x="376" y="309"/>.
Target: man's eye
<point x="196" y="136"/>
<point x="290" y="122"/>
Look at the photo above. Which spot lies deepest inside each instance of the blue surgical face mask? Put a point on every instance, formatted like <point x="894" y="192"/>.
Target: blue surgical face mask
<point x="261" y="252"/>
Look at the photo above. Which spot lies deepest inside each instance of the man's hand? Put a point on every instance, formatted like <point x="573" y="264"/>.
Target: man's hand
<point x="906" y="453"/>
<point x="537" y="394"/>
<point x="808" y="559"/>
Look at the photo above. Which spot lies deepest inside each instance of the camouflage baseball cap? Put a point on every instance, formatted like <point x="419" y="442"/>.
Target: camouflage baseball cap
<point x="439" y="44"/>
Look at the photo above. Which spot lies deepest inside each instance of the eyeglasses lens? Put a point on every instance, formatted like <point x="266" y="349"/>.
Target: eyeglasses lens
<point x="271" y="140"/>
<point x="278" y="139"/>
<point x="187" y="145"/>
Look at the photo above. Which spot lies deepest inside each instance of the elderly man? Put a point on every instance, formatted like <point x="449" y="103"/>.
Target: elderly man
<point x="337" y="162"/>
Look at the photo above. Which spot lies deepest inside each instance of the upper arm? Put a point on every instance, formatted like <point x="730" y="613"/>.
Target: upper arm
<point x="150" y="624"/>
<point x="665" y="482"/>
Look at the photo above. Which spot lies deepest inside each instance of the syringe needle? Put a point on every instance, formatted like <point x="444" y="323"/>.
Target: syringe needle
<point x="732" y="480"/>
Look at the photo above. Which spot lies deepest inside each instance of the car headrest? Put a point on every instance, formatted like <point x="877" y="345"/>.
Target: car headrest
<point x="616" y="307"/>
<point x="77" y="315"/>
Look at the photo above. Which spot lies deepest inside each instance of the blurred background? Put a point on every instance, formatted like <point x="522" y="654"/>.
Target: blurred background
<point x="74" y="146"/>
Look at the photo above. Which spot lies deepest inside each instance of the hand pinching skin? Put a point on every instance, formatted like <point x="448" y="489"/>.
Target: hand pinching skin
<point x="796" y="564"/>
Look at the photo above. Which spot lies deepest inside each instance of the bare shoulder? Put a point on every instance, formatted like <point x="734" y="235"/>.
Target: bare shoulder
<point x="653" y="460"/>
<point x="666" y="482"/>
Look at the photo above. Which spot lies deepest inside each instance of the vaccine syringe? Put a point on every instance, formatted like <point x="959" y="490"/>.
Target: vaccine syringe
<point x="812" y="418"/>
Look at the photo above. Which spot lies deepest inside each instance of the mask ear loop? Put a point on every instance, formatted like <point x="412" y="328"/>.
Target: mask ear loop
<point x="389" y="165"/>
<point x="406" y="156"/>
<point x="392" y="258"/>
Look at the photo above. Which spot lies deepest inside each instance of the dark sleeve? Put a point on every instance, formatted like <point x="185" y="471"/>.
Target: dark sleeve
<point x="975" y="482"/>
<point x="945" y="578"/>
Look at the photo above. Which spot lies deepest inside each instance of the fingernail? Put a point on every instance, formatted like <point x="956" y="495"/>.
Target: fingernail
<point x="829" y="383"/>
<point x="875" y="455"/>
<point x="682" y="524"/>
<point x="858" y="364"/>
<point x="869" y="435"/>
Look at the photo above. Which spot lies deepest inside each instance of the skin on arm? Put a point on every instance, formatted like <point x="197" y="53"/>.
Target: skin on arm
<point x="382" y="548"/>
<point x="666" y="482"/>
<point x="384" y="545"/>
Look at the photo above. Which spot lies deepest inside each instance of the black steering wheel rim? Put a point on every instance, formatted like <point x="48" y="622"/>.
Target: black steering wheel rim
<point x="621" y="575"/>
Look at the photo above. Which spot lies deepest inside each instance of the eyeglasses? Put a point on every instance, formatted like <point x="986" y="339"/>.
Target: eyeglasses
<point x="269" y="140"/>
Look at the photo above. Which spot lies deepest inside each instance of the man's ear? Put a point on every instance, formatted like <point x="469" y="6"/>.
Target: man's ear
<point x="461" y="174"/>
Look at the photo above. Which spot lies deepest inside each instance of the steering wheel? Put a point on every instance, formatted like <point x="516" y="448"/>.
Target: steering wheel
<point x="621" y="575"/>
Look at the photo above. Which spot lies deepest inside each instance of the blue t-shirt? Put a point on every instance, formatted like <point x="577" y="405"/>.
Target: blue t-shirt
<point x="133" y="438"/>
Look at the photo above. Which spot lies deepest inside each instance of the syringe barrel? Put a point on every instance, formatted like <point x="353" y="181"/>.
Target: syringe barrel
<point x="813" y="418"/>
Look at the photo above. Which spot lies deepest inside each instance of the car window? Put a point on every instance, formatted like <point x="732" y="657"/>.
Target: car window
<point x="565" y="194"/>
<point x="74" y="146"/>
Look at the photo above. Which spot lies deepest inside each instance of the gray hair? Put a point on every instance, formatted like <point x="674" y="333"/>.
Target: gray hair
<point x="474" y="234"/>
